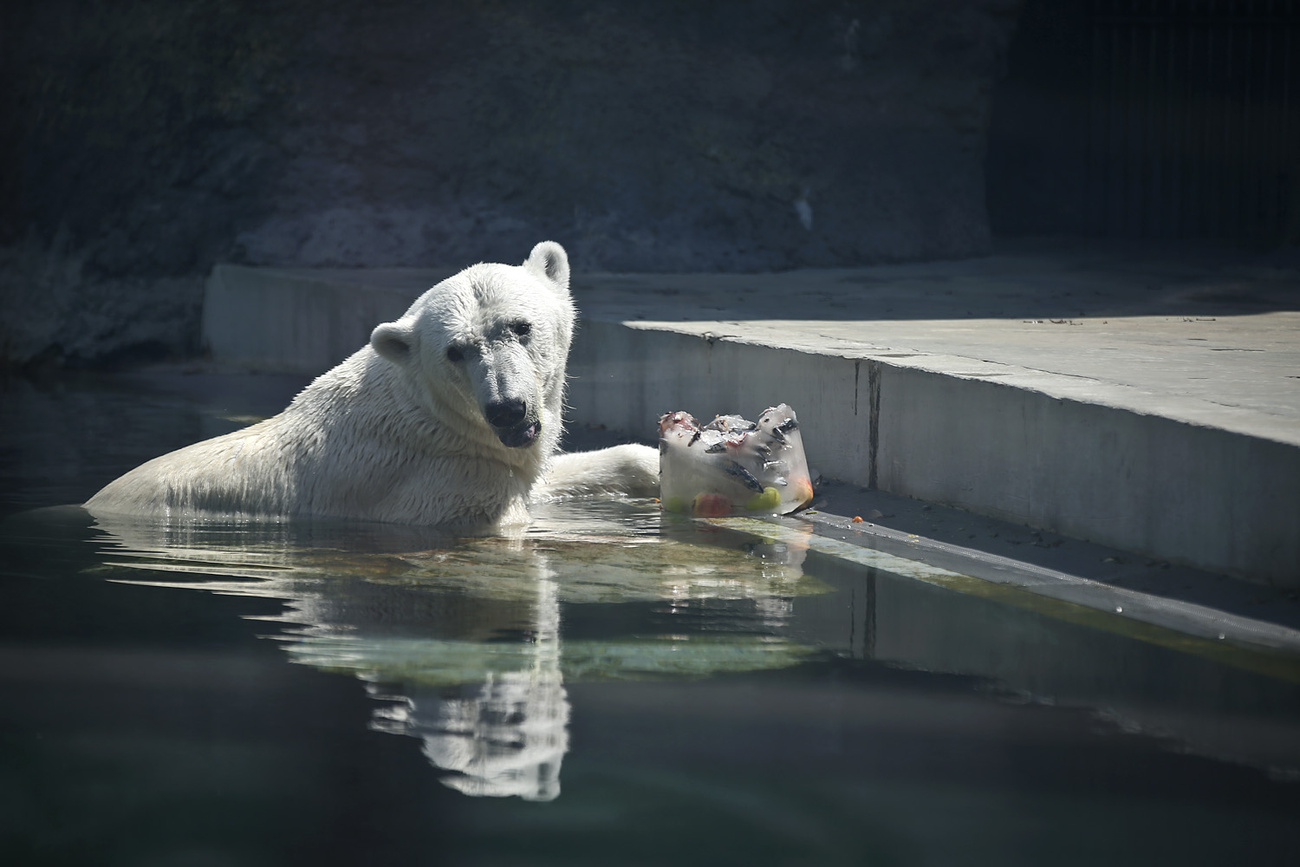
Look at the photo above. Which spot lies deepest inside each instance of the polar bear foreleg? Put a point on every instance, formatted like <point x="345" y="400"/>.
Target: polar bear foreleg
<point x="626" y="470"/>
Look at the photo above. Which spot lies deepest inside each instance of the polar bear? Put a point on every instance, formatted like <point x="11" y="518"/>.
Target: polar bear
<point x="450" y="416"/>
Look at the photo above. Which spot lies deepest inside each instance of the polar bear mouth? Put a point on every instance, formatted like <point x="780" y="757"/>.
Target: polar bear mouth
<point x="520" y="435"/>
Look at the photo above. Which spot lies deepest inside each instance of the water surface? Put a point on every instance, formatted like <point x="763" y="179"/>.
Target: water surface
<point x="605" y="688"/>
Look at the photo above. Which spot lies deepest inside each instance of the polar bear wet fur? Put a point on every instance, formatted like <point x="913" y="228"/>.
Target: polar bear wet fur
<point x="450" y="416"/>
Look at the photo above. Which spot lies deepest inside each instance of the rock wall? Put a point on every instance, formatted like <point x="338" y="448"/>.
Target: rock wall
<point x="156" y="137"/>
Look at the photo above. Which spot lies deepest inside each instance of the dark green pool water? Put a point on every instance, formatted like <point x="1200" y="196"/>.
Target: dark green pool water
<point x="604" y="689"/>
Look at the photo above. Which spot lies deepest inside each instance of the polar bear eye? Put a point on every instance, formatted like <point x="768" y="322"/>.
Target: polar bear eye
<point x="521" y="329"/>
<point x="455" y="354"/>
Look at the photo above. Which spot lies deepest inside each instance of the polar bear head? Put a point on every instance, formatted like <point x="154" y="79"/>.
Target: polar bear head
<point x="487" y="349"/>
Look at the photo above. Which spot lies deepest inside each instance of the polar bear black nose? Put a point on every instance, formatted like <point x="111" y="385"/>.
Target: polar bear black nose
<point x="507" y="412"/>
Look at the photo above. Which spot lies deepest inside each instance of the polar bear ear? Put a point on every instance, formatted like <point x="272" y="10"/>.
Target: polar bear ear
<point x="394" y="341"/>
<point x="549" y="261"/>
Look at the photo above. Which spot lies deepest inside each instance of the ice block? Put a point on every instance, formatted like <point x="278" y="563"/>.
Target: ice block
<point x="732" y="465"/>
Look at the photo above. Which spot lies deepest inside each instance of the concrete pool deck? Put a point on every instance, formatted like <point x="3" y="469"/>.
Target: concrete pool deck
<point x="1148" y="400"/>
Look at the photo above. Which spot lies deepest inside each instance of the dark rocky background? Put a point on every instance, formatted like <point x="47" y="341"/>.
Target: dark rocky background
<point x="145" y="140"/>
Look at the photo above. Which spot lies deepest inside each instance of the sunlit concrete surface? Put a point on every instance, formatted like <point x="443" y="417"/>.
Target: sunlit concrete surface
<point x="1146" y="400"/>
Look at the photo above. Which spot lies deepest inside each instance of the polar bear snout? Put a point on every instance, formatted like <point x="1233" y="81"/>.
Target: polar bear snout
<point x="506" y="412"/>
<point x="509" y="418"/>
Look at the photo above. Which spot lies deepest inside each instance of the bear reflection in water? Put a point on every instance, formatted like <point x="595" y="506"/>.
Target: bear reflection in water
<point x="505" y="736"/>
<point x="459" y="640"/>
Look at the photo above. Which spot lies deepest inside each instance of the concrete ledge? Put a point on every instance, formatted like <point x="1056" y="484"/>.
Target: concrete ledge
<point x="1170" y="489"/>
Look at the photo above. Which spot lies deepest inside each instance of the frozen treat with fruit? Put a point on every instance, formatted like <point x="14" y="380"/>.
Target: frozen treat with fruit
<point x="733" y="465"/>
